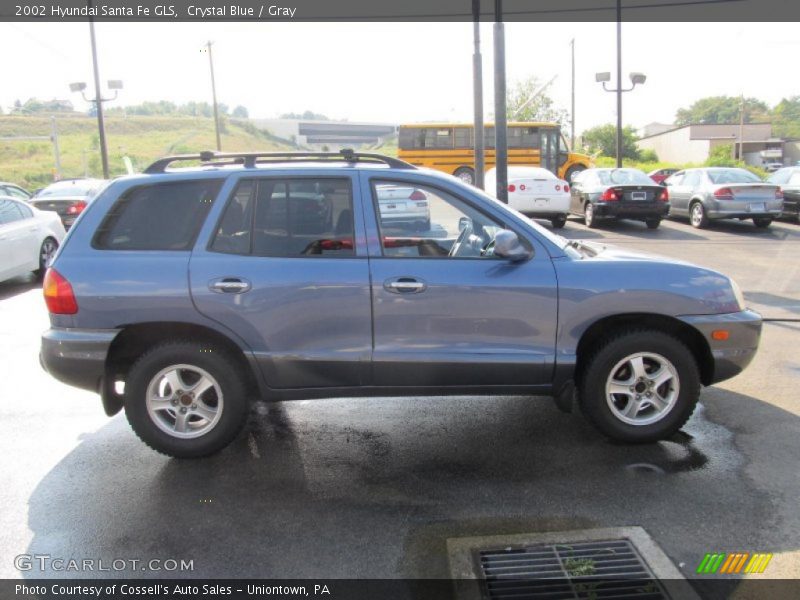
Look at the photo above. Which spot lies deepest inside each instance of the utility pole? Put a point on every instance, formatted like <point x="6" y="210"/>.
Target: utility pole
<point x="741" y="130"/>
<point x="619" y="84"/>
<point x="98" y="100"/>
<point x="54" y="138"/>
<point x="572" y="109"/>
<point x="500" y="121"/>
<point x="477" y="85"/>
<point x="214" y="94"/>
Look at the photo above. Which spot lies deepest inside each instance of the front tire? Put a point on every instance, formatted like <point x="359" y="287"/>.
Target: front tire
<point x="639" y="386"/>
<point x="762" y="222"/>
<point x="465" y="174"/>
<point x="186" y="400"/>
<point x="652" y="223"/>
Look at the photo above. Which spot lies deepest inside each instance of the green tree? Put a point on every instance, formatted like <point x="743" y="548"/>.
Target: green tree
<point x="786" y="118"/>
<point x="603" y="139"/>
<point x="240" y="112"/>
<point x="522" y="105"/>
<point x="722" y="109"/>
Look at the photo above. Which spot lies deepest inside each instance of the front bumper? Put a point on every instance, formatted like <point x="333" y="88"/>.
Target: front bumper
<point x="76" y="357"/>
<point x="730" y="356"/>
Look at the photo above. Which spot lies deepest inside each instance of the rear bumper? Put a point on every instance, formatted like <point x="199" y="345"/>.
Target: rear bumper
<point x="632" y="210"/>
<point x="76" y="357"/>
<point x="730" y="356"/>
<point x="534" y="206"/>
<point x="734" y="209"/>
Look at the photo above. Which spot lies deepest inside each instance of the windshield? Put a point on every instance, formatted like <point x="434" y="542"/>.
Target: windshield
<point x="732" y="176"/>
<point x="624" y="176"/>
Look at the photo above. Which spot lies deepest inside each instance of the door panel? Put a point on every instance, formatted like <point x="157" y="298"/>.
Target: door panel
<point x="297" y="288"/>
<point x="454" y="321"/>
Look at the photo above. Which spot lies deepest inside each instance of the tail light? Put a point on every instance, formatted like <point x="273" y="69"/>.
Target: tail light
<point x="512" y="187"/>
<point x="724" y="194"/>
<point x="566" y="187"/>
<point x="58" y="294"/>
<point x="779" y="194"/>
<point x="521" y="187"/>
<point x="664" y="195"/>
<point x="417" y="195"/>
<point x="76" y="208"/>
<point x="609" y="195"/>
<point x="558" y="187"/>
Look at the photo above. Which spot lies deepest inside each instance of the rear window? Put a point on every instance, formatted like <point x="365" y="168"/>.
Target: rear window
<point x="732" y="176"/>
<point x="163" y="216"/>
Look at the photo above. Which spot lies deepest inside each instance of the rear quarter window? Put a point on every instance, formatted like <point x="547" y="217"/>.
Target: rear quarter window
<point x="162" y="216"/>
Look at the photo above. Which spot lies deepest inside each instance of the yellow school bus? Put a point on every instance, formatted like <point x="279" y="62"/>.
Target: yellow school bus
<point x="449" y="147"/>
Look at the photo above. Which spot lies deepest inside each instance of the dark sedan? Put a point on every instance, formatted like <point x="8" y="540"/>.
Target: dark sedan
<point x="620" y="193"/>
<point x="789" y="180"/>
<point x="68" y="198"/>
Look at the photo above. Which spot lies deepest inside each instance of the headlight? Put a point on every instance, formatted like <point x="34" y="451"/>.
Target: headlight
<point x="737" y="293"/>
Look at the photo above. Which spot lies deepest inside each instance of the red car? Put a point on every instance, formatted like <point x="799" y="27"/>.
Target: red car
<point x="659" y="175"/>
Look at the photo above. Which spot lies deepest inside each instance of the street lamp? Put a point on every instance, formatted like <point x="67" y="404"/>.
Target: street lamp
<point x="113" y="84"/>
<point x="636" y="79"/>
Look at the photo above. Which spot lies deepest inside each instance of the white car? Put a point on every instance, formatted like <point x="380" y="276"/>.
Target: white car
<point x="29" y="238"/>
<point x="405" y="207"/>
<point x="535" y="192"/>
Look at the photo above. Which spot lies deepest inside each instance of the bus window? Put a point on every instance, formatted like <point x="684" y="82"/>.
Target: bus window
<point x="411" y="138"/>
<point x="439" y="138"/>
<point x="524" y="137"/>
<point x="488" y="138"/>
<point x="463" y="137"/>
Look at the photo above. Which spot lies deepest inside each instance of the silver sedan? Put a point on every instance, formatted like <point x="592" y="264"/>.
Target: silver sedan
<point x="723" y="193"/>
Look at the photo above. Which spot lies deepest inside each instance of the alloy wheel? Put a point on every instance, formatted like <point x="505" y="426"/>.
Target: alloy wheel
<point x="642" y="388"/>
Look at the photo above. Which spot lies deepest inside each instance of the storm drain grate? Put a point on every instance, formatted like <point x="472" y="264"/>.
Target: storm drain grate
<point x="599" y="570"/>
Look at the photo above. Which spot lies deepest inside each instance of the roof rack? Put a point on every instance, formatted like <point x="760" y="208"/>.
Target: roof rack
<point x="250" y="159"/>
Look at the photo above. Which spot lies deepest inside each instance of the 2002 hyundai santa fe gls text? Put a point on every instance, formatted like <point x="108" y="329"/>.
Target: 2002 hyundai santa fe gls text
<point x="183" y="293"/>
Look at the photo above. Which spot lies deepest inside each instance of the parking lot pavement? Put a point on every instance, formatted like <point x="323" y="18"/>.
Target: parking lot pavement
<point x="374" y="488"/>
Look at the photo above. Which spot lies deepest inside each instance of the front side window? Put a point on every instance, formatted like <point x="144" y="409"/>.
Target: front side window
<point x="9" y="212"/>
<point x="162" y="216"/>
<point x="288" y="218"/>
<point x="418" y="221"/>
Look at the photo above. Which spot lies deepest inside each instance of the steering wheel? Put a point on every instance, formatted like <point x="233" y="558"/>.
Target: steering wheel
<point x="461" y="239"/>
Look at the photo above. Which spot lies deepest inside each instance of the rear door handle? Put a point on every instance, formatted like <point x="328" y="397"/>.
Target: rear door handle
<point x="229" y="285"/>
<point x="404" y="285"/>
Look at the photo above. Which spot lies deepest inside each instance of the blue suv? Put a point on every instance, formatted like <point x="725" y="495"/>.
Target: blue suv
<point x="182" y="294"/>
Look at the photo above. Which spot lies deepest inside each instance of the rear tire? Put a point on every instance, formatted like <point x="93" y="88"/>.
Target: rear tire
<point x="697" y="215"/>
<point x="652" y="223"/>
<point x="200" y="418"/>
<point x="465" y="174"/>
<point x="639" y="359"/>
<point x="762" y="222"/>
<point x="46" y="253"/>
<point x="588" y="215"/>
<point x="559" y="222"/>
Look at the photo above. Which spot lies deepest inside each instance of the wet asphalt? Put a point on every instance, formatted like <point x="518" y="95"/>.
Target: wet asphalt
<point x="373" y="488"/>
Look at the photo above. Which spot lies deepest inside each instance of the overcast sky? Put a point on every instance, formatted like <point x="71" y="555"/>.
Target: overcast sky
<point x="400" y="72"/>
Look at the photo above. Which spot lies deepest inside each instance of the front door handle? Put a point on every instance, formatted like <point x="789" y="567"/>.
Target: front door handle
<point x="404" y="285"/>
<point x="229" y="285"/>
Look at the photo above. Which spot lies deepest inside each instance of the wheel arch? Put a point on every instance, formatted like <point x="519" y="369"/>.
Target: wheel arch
<point x="135" y="339"/>
<point x="694" y="340"/>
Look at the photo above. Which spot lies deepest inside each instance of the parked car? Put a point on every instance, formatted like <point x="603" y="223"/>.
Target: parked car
<point x="788" y="179"/>
<point x="13" y="191"/>
<point x="68" y="198"/>
<point x="723" y="193"/>
<point x="771" y="167"/>
<point x="182" y="294"/>
<point x="659" y="175"/>
<point x="620" y="193"/>
<point x="29" y="238"/>
<point x="405" y="206"/>
<point x="535" y="192"/>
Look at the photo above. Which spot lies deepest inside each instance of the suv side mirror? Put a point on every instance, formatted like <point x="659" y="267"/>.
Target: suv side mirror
<point x="463" y="223"/>
<point x="507" y="245"/>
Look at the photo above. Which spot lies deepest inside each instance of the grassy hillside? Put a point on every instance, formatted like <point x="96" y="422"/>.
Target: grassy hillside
<point x="32" y="163"/>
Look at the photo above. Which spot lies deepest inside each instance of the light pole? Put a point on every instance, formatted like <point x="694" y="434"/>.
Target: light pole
<point x="636" y="79"/>
<point x="500" y="120"/>
<point x="572" y="107"/>
<point x="214" y="94"/>
<point x="113" y="84"/>
<point x="477" y="84"/>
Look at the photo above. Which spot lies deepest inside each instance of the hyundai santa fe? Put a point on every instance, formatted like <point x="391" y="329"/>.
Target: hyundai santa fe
<point x="186" y="292"/>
